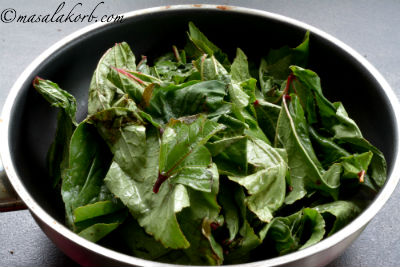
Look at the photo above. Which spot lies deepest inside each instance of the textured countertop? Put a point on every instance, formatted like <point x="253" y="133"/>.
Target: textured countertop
<point x="370" y="27"/>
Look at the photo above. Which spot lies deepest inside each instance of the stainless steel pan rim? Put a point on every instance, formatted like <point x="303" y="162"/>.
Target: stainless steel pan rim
<point x="355" y="226"/>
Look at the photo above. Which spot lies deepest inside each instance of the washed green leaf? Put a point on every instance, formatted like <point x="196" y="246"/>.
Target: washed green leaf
<point x="266" y="186"/>
<point x="148" y="208"/>
<point x="343" y="211"/>
<point x="188" y="99"/>
<point x="101" y="93"/>
<point x="189" y="159"/>
<point x="83" y="185"/>
<point x="57" y="155"/>
<point x="297" y="231"/>
<point x="306" y="172"/>
<point x="202" y="44"/>
<point x="274" y="68"/>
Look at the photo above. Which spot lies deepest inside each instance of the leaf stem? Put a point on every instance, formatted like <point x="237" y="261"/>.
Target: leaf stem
<point x="144" y="58"/>
<point x="288" y="83"/>
<point x="286" y="90"/>
<point x="162" y="177"/>
<point x="124" y="72"/>
<point x="36" y="81"/>
<point x="176" y="53"/>
<point x="361" y="175"/>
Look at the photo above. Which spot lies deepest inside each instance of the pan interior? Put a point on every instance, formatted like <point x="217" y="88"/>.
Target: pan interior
<point x="33" y="121"/>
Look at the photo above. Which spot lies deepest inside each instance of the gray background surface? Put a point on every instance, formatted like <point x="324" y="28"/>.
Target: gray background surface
<point x="370" y="27"/>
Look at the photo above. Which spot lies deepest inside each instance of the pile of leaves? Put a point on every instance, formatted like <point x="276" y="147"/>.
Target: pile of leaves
<point x="194" y="160"/>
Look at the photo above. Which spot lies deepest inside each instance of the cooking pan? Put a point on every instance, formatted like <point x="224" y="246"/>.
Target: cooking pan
<point x="28" y="123"/>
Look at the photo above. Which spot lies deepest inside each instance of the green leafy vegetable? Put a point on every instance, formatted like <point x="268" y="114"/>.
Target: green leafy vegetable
<point x="306" y="172"/>
<point x="102" y="93"/>
<point x="66" y="123"/>
<point x="204" y="46"/>
<point x="183" y="157"/>
<point x="239" y="249"/>
<point x="189" y="159"/>
<point x="186" y="99"/>
<point x="274" y="68"/>
<point x="267" y="185"/>
<point x="83" y="185"/>
<point x="297" y="231"/>
<point x="343" y="211"/>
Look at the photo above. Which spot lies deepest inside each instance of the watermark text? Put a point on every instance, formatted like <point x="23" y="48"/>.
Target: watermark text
<point x="62" y="14"/>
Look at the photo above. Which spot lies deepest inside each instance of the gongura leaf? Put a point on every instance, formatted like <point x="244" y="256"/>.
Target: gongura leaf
<point x="267" y="117"/>
<point x="99" y="230"/>
<point x="230" y="155"/>
<point x="197" y="223"/>
<point x="343" y="211"/>
<point x="200" y="40"/>
<point x="143" y="79"/>
<point x="176" y="72"/>
<point x="233" y="127"/>
<point x="326" y="149"/>
<point x="138" y="242"/>
<point x="246" y="240"/>
<point x="241" y="89"/>
<point x="239" y="92"/>
<point x="171" y="70"/>
<point x="147" y="207"/>
<point x="151" y="198"/>
<point x="57" y="97"/>
<point x="57" y="155"/>
<point x="306" y="172"/>
<point x="240" y="67"/>
<point x="122" y="82"/>
<point x="344" y="131"/>
<point x="210" y="68"/>
<point x="127" y="147"/>
<point x="201" y="45"/>
<point x="183" y="157"/>
<point x="296" y="56"/>
<point x="83" y="190"/>
<point x="355" y="165"/>
<point x="122" y="130"/>
<point x="377" y="170"/>
<point x="230" y="210"/>
<point x="250" y="88"/>
<point x="143" y="66"/>
<point x="96" y="209"/>
<point x="175" y="158"/>
<point x="266" y="186"/>
<point x="95" y="229"/>
<point x="187" y="99"/>
<point x="297" y="231"/>
<point x="228" y="146"/>
<point x="240" y="249"/>
<point x="101" y="92"/>
<point x="82" y="171"/>
<point x="237" y="95"/>
<point x="333" y="116"/>
<point x="274" y="68"/>
<point x="132" y="175"/>
<point x="150" y="209"/>
<point x="315" y="222"/>
<point x="58" y="152"/>
<point x="239" y="74"/>
<point x="252" y="128"/>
